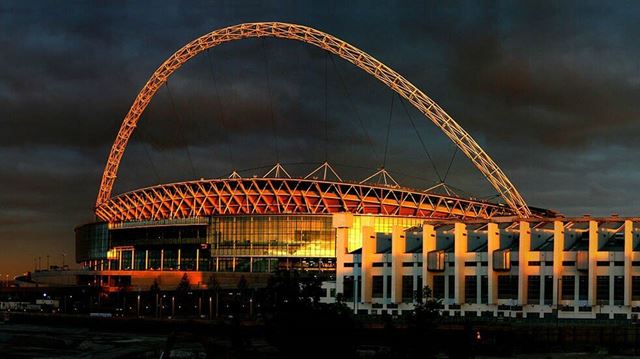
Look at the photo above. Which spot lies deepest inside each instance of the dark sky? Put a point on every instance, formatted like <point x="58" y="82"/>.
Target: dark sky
<point x="549" y="89"/>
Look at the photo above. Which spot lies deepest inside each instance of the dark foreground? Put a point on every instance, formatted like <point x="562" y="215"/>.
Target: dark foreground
<point x="36" y="336"/>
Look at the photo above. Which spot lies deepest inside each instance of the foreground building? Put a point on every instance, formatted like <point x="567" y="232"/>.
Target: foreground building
<point x="558" y="267"/>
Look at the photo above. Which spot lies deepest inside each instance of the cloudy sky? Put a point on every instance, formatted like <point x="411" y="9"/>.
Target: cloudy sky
<point x="549" y="89"/>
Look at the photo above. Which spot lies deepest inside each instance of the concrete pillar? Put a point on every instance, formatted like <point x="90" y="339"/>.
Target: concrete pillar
<point x="342" y="222"/>
<point x="524" y="251"/>
<point x="628" y="253"/>
<point x="593" y="257"/>
<point x="460" y="243"/>
<point x="146" y="259"/>
<point x="398" y="248"/>
<point x="493" y="244"/>
<point x="558" y="256"/>
<point x="428" y="245"/>
<point x="368" y="250"/>
<point x="179" y="259"/>
<point x="162" y="259"/>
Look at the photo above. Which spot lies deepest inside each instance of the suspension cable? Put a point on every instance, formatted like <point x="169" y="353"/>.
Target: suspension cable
<point x="424" y="146"/>
<point x="326" y="108"/>
<point x="386" y="142"/>
<point x="222" y="113"/>
<point x="271" y="111"/>
<point x="453" y="157"/>
<point x="180" y="128"/>
<point x="145" y="145"/>
<point x="355" y="109"/>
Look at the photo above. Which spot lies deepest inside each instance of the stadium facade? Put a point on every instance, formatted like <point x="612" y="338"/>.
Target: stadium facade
<point x="375" y="243"/>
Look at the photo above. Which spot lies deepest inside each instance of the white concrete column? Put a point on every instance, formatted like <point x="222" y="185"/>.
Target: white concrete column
<point x="368" y="250"/>
<point x="460" y="243"/>
<point x="428" y="245"/>
<point x="558" y="256"/>
<point x="398" y="248"/>
<point x="162" y="259"/>
<point x="179" y="259"/>
<point x="593" y="257"/>
<point x="342" y="222"/>
<point x="523" y="260"/>
<point x="146" y="259"/>
<point x="493" y="244"/>
<point x="628" y="253"/>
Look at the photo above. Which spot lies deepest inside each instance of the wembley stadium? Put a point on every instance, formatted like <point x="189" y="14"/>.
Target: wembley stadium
<point x="275" y="221"/>
<point x="374" y="242"/>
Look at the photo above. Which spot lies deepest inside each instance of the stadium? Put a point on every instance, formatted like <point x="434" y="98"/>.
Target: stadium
<point x="374" y="242"/>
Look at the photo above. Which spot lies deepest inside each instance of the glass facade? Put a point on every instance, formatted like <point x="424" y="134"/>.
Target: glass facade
<point x="92" y="242"/>
<point x="269" y="243"/>
<point x="225" y="244"/>
<point x="381" y="224"/>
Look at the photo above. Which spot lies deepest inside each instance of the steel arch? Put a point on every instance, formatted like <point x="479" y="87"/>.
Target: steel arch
<point x="327" y="42"/>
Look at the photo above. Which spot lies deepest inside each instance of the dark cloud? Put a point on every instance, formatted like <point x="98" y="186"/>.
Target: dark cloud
<point x="549" y="89"/>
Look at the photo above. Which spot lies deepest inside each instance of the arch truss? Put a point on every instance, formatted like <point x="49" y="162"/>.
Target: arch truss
<point x="346" y="51"/>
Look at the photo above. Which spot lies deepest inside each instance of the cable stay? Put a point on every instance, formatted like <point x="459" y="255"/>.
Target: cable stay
<point x="222" y="113"/>
<point x="424" y="146"/>
<point x="324" y="171"/>
<point x="326" y="109"/>
<point x="277" y="172"/>
<point x="145" y="145"/>
<point x="453" y="157"/>
<point x="180" y="126"/>
<point x="381" y="177"/>
<point x="386" y="142"/>
<point x="442" y="188"/>
<point x="271" y="109"/>
<point x="355" y="108"/>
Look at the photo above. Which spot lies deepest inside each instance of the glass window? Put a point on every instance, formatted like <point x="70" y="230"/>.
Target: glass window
<point x="377" y="286"/>
<point x="635" y="288"/>
<point x="618" y="290"/>
<point x="452" y="287"/>
<point x="548" y="290"/>
<point x="438" y="286"/>
<point x="348" y="289"/>
<point x="407" y="288"/>
<point x="568" y="287"/>
<point x="602" y="290"/>
<point x="583" y="287"/>
<point x="533" y="289"/>
<point x="484" y="289"/>
<point x="470" y="289"/>
<point x="507" y="287"/>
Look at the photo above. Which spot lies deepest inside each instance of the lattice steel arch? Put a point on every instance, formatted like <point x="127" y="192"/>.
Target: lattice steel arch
<point x="327" y="42"/>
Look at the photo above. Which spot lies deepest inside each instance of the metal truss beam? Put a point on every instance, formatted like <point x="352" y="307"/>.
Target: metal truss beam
<point x="236" y="196"/>
<point x="346" y="51"/>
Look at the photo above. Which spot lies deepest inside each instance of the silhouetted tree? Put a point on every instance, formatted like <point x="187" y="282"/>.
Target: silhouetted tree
<point x="422" y="338"/>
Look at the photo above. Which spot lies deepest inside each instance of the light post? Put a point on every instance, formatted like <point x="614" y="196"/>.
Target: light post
<point x="173" y="307"/>
<point x="138" y="305"/>
<point x="210" y="308"/>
